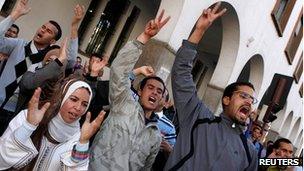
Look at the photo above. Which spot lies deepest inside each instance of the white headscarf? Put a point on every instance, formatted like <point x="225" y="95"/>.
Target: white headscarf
<point x="58" y="128"/>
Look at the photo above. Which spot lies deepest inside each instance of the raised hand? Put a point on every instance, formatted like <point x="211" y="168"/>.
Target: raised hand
<point x="89" y="129"/>
<point x="145" y="70"/>
<point x="78" y="14"/>
<point x="20" y="9"/>
<point x="86" y="68"/>
<point x="153" y="27"/>
<point x="63" y="51"/>
<point x="208" y="16"/>
<point x="205" y="20"/>
<point x="34" y="114"/>
<point x="165" y="146"/>
<point x="98" y="65"/>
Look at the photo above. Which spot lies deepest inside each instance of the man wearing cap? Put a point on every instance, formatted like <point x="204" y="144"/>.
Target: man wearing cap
<point x="22" y="54"/>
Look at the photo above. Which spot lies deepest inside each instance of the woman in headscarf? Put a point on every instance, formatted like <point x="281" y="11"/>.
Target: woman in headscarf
<point x="49" y="137"/>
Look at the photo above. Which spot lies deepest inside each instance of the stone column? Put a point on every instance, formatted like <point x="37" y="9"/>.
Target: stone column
<point x="160" y="56"/>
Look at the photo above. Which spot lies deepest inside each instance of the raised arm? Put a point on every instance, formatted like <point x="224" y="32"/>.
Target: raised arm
<point x="78" y="158"/>
<point x="73" y="45"/>
<point x="124" y="62"/>
<point x="32" y="80"/>
<point x="21" y="8"/>
<point x="16" y="146"/>
<point x="184" y="89"/>
<point x="6" y="44"/>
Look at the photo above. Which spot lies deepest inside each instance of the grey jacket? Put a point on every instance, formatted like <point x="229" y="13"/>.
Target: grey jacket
<point x="216" y="146"/>
<point x="124" y="141"/>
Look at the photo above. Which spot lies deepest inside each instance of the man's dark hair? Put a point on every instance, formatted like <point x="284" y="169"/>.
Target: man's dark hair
<point x="97" y="55"/>
<point x="257" y="127"/>
<point x="277" y="143"/>
<point x="59" y="31"/>
<point x="269" y="142"/>
<point x="79" y="58"/>
<point x="231" y="88"/>
<point x="144" y="82"/>
<point x="16" y="27"/>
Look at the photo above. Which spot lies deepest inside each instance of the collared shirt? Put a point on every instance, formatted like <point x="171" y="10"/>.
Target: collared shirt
<point x="166" y="128"/>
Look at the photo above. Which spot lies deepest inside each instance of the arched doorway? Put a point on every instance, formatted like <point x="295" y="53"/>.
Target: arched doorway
<point x="294" y="131"/>
<point x="277" y="124"/>
<point x="298" y="140"/>
<point x="286" y="126"/>
<point x="217" y="52"/>
<point x="253" y="72"/>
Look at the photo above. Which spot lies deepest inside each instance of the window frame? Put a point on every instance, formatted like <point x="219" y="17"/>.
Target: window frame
<point x="280" y="23"/>
<point x="5" y="13"/>
<point x="299" y="70"/>
<point x="301" y="91"/>
<point x="294" y="40"/>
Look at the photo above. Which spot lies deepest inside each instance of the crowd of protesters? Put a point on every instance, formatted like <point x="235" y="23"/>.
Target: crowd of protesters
<point x="56" y="114"/>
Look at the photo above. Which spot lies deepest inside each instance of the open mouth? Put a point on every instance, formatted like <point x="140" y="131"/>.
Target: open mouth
<point x="245" y="110"/>
<point x="152" y="100"/>
<point x="73" y="115"/>
<point x="39" y="35"/>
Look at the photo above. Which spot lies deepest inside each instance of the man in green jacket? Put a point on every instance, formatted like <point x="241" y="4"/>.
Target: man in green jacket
<point x="129" y="138"/>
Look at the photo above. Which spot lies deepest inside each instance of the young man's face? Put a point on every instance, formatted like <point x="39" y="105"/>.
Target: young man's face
<point x="151" y="94"/>
<point x="239" y="106"/>
<point x="256" y="134"/>
<point x="12" y="32"/>
<point x="45" y="35"/>
<point x="94" y="59"/>
<point x="284" y="151"/>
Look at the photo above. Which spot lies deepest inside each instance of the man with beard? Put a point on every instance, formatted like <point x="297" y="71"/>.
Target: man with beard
<point x="207" y="142"/>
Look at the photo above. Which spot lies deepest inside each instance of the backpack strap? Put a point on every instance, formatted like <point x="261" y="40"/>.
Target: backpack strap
<point x="190" y="154"/>
<point x="244" y="141"/>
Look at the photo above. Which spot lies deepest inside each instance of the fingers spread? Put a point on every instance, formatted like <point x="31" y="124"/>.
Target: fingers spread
<point x="164" y="22"/>
<point x="216" y="7"/>
<point x="100" y="118"/>
<point x="161" y="15"/>
<point x="221" y="12"/>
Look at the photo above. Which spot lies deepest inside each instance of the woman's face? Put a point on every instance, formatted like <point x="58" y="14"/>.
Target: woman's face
<point x="75" y="105"/>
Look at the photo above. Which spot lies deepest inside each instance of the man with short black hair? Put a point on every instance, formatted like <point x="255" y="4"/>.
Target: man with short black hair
<point x="282" y="148"/>
<point x="207" y="142"/>
<point x="12" y="32"/>
<point x="22" y="54"/>
<point x="130" y="139"/>
<point x="255" y="139"/>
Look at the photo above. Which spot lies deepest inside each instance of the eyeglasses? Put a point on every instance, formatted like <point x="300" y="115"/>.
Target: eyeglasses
<point x="246" y="96"/>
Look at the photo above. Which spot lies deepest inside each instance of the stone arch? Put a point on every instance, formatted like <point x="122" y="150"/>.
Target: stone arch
<point x="253" y="72"/>
<point x="294" y="131"/>
<point x="298" y="139"/>
<point x="218" y="48"/>
<point x="286" y="125"/>
<point x="277" y="124"/>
